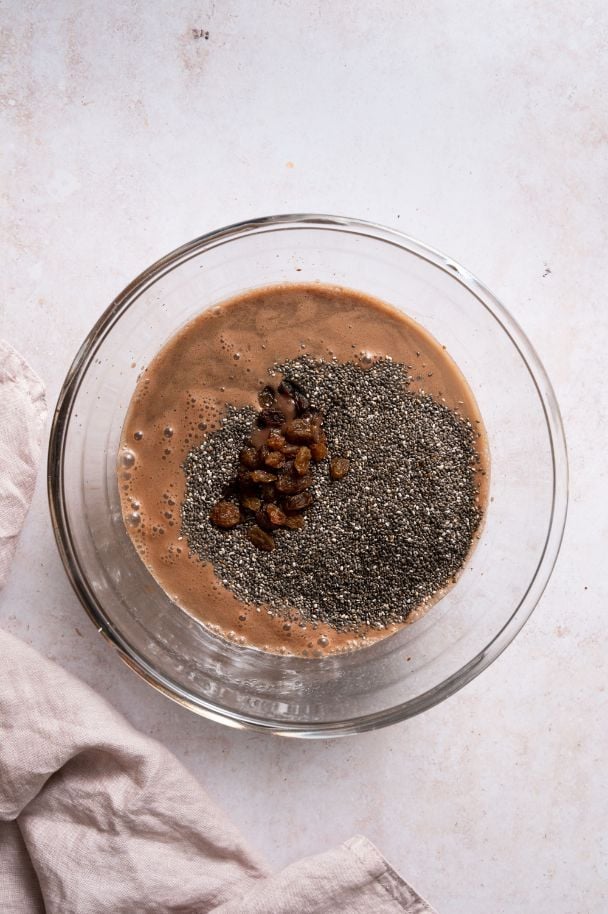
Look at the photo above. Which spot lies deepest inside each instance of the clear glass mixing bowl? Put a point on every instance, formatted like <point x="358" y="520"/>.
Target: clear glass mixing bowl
<point x="425" y="662"/>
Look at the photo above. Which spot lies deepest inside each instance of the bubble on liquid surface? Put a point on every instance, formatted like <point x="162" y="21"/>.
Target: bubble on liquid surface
<point x="366" y="358"/>
<point x="168" y="432"/>
<point x="127" y="459"/>
<point x="134" y="519"/>
<point x="138" y="435"/>
<point x="323" y="641"/>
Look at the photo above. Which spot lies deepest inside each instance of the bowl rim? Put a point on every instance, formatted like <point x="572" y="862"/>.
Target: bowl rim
<point x="215" y="711"/>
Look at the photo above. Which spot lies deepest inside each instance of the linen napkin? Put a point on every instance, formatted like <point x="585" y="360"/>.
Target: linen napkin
<point x="22" y="415"/>
<point x="94" y="816"/>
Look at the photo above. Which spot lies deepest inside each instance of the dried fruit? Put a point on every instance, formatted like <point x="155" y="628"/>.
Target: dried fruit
<point x="225" y="514"/>
<point x="274" y="515"/>
<point x="302" y="461"/>
<point x="271" y="418"/>
<point x="251" y="502"/>
<point x="318" y="451"/>
<point x="261" y="539"/>
<point x="243" y="480"/>
<point x="267" y="397"/>
<point x="294" y="521"/>
<point x="298" y="502"/>
<point x="262" y="476"/>
<point x="249" y="457"/>
<point x="290" y="485"/>
<point x="269" y="492"/>
<point x="273" y="459"/>
<point x="339" y="467"/>
<point x="261" y="520"/>
<point x="300" y="431"/>
<point x="316" y="424"/>
<point x="290" y="450"/>
<point x="290" y="389"/>
<point x="275" y="440"/>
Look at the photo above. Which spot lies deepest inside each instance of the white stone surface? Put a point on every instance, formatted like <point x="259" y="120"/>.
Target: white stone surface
<point x="480" y="128"/>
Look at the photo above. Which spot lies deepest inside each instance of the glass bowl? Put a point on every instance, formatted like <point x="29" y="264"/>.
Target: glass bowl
<point x="423" y="663"/>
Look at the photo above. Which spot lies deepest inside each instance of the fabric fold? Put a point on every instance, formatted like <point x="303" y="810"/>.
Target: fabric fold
<point x="111" y="821"/>
<point x="22" y="417"/>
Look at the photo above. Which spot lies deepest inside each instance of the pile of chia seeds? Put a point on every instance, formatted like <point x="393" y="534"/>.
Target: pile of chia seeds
<point x="377" y="543"/>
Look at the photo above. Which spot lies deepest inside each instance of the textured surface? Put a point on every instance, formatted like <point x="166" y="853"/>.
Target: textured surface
<point x="479" y="128"/>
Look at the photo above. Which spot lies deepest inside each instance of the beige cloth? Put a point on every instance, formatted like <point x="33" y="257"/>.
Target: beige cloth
<point x="95" y="817"/>
<point x="22" y="415"/>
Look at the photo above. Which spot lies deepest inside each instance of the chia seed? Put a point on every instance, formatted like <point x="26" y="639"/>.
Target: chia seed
<point x="378" y="543"/>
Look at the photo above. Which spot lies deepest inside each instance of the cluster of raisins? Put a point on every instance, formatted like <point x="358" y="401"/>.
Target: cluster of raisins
<point x="272" y="486"/>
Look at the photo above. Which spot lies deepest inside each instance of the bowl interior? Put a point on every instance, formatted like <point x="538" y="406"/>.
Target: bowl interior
<point x="427" y="660"/>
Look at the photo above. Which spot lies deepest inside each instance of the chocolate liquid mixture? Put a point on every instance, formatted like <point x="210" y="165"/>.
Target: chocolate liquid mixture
<point x="223" y="357"/>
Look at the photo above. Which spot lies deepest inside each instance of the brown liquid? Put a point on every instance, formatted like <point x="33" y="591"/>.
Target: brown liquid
<point x="222" y="357"/>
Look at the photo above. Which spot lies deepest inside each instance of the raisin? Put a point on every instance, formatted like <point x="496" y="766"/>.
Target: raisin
<point x="273" y="459"/>
<point x="249" y="457"/>
<point x="273" y="515"/>
<point x="302" y="403"/>
<point x="269" y="492"/>
<point x="290" y="389"/>
<point x="339" y="467"/>
<point x="261" y="539"/>
<point x="267" y="397"/>
<point x="271" y="418"/>
<point x="316" y="424"/>
<point x="289" y="485"/>
<point x="279" y="470"/>
<point x="300" y="431"/>
<point x="251" y="502"/>
<point x="302" y="461"/>
<point x="225" y="514"/>
<point x="243" y="479"/>
<point x="262" y="476"/>
<point x="294" y="521"/>
<point x="298" y="502"/>
<point x="318" y="451"/>
<point x="275" y="440"/>
<point x="262" y="520"/>
<point x="290" y="450"/>
<point x="230" y="490"/>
